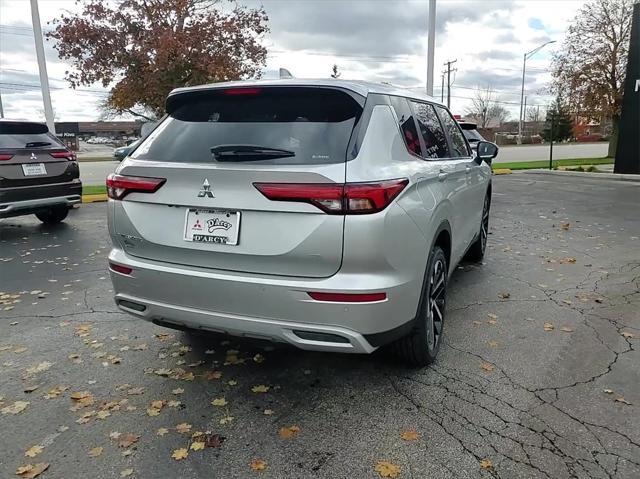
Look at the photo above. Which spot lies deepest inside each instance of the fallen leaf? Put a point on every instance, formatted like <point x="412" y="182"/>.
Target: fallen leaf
<point x="548" y="326"/>
<point x="30" y="389"/>
<point x="260" y="389"/>
<point x="114" y="435"/>
<point x="219" y="402"/>
<point x="77" y="396"/>
<point x="410" y="435"/>
<point x="180" y="454"/>
<point x="173" y="403"/>
<point x="33" y="451"/>
<point x="213" y="440"/>
<point x="15" y="408"/>
<point x="493" y="344"/>
<point x="128" y="439"/>
<point x="565" y="226"/>
<point x="622" y="400"/>
<point x="30" y="471"/>
<point x="269" y="412"/>
<point x="162" y="431"/>
<point x="627" y="334"/>
<point x="231" y="382"/>
<point x="258" y="465"/>
<point x="486" y="366"/>
<point x="126" y="472"/>
<point x="135" y="391"/>
<point x="504" y="295"/>
<point x="289" y="432"/>
<point x="486" y="463"/>
<point x="38" y="368"/>
<point x="567" y="260"/>
<point x="566" y="329"/>
<point x="177" y="391"/>
<point x="197" y="446"/>
<point x="258" y="358"/>
<point x="492" y="316"/>
<point x="209" y="375"/>
<point x="226" y="419"/>
<point x="96" y="451"/>
<point x="387" y="469"/>
<point x="183" y="428"/>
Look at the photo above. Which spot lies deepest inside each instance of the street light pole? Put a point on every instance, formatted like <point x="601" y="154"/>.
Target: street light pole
<point x="431" y="41"/>
<point x="524" y="67"/>
<point x="42" y="66"/>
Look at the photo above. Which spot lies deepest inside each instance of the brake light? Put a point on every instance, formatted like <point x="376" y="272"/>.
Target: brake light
<point x="337" y="199"/>
<point x="119" y="186"/>
<point x="64" y="154"/>
<point x="348" y="297"/>
<point x="241" y="91"/>
<point x="5" y="157"/>
<point x="118" y="268"/>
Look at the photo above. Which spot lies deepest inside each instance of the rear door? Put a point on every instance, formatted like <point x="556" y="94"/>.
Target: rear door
<point x="210" y="150"/>
<point x="31" y="156"/>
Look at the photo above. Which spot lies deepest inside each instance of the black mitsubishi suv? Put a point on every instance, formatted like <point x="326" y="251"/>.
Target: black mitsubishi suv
<point x="38" y="174"/>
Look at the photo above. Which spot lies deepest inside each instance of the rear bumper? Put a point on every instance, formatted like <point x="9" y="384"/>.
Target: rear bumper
<point x="30" y="199"/>
<point x="267" y="307"/>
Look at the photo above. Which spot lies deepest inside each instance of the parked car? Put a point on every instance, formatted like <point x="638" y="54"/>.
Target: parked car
<point x="470" y="132"/>
<point x="120" y="153"/>
<point x="326" y="214"/>
<point x="38" y="174"/>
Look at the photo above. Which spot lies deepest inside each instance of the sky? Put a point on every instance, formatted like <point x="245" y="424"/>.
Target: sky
<point x="374" y="40"/>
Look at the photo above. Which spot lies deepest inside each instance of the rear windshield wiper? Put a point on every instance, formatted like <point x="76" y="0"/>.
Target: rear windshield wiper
<point x="248" y="153"/>
<point x="35" y="144"/>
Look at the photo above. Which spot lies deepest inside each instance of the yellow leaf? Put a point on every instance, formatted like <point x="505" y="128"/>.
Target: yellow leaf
<point x="183" y="428"/>
<point x="486" y="463"/>
<point x="15" y="408"/>
<point x="77" y="396"/>
<point x="289" y="432"/>
<point x="180" y="454"/>
<point x="151" y="411"/>
<point x="96" y="451"/>
<point x="178" y="391"/>
<point x="30" y="471"/>
<point x="162" y="431"/>
<point x="548" y="326"/>
<point x="174" y="403"/>
<point x="219" y="402"/>
<point x="157" y="404"/>
<point x="126" y="472"/>
<point x="260" y="389"/>
<point x="566" y="329"/>
<point x="258" y="465"/>
<point x="33" y="451"/>
<point x="492" y="316"/>
<point x="103" y="414"/>
<point x="410" y="435"/>
<point x="226" y="419"/>
<point x="486" y="366"/>
<point x="387" y="469"/>
<point x="197" y="446"/>
<point x="493" y="344"/>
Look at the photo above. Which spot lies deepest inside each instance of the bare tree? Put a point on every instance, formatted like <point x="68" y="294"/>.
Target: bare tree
<point x="334" y="71"/>
<point x="589" y="71"/>
<point x="485" y="109"/>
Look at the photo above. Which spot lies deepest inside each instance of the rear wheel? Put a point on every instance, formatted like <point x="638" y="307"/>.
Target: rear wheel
<point x="421" y="346"/>
<point x="477" y="249"/>
<point x="53" y="215"/>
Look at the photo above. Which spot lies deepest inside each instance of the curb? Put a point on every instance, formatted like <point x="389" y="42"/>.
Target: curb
<point x="584" y="174"/>
<point x="502" y="171"/>
<point x="94" y="198"/>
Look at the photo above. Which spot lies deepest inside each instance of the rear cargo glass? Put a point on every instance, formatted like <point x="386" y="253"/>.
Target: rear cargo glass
<point x="313" y="125"/>
<point x="26" y="135"/>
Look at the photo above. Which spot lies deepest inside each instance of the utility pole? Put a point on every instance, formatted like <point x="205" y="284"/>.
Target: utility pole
<point x="42" y="66"/>
<point x="448" y="64"/>
<point x="431" y="45"/>
<point x="524" y="119"/>
<point x="1" y="109"/>
<point x="442" y="88"/>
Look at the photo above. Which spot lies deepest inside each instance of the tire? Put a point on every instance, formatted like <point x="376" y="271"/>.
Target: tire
<point x="479" y="246"/>
<point x="420" y="347"/>
<point x="53" y="215"/>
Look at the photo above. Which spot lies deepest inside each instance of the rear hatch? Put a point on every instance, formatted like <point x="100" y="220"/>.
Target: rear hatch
<point x="208" y="153"/>
<point x="30" y="155"/>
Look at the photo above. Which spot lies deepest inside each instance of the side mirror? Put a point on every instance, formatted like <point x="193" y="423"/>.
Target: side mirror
<point x="486" y="151"/>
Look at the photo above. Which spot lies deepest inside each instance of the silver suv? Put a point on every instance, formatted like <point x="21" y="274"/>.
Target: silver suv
<point x="326" y="214"/>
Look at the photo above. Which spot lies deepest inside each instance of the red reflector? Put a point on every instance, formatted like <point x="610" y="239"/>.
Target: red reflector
<point x="4" y="157"/>
<point x="63" y="154"/>
<point x="348" y="297"/>
<point x="343" y="199"/>
<point x="119" y="186"/>
<point x="242" y="91"/>
<point x="118" y="268"/>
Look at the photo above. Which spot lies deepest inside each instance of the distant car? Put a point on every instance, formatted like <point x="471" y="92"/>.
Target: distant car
<point x="120" y="153"/>
<point x="470" y="132"/>
<point x="38" y="174"/>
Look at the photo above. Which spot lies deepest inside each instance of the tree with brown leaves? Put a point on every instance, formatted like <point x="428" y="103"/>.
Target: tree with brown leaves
<point x="590" y="68"/>
<point x="143" y="49"/>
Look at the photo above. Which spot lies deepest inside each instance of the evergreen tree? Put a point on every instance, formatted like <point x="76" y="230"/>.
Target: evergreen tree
<point x="562" y="123"/>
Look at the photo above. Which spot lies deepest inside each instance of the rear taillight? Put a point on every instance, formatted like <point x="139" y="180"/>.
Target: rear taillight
<point x="67" y="155"/>
<point x="337" y="199"/>
<point x="118" y="268"/>
<point x="241" y="91"/>
<point x="4" y="157"/>
<point x="348" y="297"/>
<point x="119" y="186"/>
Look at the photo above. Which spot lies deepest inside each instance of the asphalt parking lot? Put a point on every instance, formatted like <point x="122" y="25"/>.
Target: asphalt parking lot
<point x="538" y="376"/>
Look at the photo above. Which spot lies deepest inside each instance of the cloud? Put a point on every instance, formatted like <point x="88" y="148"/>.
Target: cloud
<point x="497" y="55"/>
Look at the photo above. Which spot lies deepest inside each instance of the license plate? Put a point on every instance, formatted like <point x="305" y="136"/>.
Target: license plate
<point x="34" y="169"/>
<point x="212" y="226"/>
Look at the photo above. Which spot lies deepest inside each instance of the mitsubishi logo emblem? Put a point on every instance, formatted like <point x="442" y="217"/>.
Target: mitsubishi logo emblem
<point x="206" y="190"/>
<point x="33" y="156"/>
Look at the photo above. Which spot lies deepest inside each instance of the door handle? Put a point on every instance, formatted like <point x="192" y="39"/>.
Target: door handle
<point x="468" y="169"/>
<point x="442" y="175"/>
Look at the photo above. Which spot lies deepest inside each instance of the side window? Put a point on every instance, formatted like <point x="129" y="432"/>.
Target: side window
<point x="407" y="125"/>
<point x="432" y="133"/>
<point x="458" y="143"/>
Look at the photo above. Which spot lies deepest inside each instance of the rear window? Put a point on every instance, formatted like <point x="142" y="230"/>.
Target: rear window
<point x="26" y="135"/>
<point x="271" y="125"/>
<point x="472" y="135"/>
